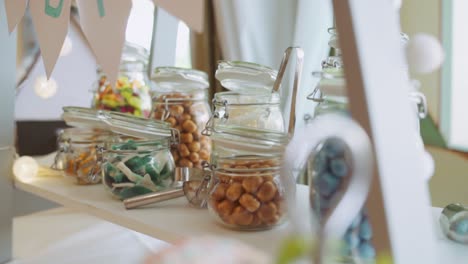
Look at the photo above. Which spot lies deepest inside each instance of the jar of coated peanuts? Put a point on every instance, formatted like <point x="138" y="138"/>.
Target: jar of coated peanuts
<point x="181" y="99"/>
<point x="247" y="194"/>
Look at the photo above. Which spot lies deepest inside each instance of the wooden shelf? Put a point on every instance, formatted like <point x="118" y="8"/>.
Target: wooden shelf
<point x="173" y="220"/>
<point x="169" y="221"/>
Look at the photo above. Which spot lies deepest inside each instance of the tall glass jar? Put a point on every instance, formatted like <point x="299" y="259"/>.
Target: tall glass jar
<point x="76" y="154"/>
<point x="250" y="101"/>
<point x="131" y="92"/>
<point x="139" y="160"/>
<point x="330" y="167"/>
<point x="181" y="99"/>
<point x="246" y="192"/>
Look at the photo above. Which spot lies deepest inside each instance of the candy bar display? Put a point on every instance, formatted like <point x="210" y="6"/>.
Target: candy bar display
<point x="76" y="154"/>
<point x="180" y="98"/>
<point x="250" y="101"/>
<point x="137" y="161"/>
<point x="247" y="194"/>
<point x="131" y="92"/>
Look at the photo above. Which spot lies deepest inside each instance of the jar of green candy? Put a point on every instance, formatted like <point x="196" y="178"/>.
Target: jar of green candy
<point x="138" y="161"/>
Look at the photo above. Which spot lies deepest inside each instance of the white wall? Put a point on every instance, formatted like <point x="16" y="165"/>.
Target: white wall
<point x="74" y="74"/>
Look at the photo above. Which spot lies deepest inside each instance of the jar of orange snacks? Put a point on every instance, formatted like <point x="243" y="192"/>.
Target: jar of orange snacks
<point x="247" y="193"/>
<point x="77" y="146"/>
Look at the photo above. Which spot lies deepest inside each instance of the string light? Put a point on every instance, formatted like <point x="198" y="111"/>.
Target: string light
<point x="45" y="88"/>
<point x="25" y="169"/>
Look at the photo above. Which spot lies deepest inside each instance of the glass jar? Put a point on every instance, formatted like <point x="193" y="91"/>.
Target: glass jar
<point x="330" y="168"/>
<point x="246" y="192"/>
<point x="138" y="161"/>
<point x="76" y="154"/>
<point x="250" y="101"/>
<point x="181" y="98"/>
<point x="131" y="93"/>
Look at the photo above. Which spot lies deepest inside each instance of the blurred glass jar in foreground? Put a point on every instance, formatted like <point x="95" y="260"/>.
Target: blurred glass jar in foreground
<point x="330" y="168"/>
<point x="247" y="193"/>
<point x="181" y="99"/>
<point x="131" y="92"/>
<point x="138" y="161"/>
<point x="76" y="153"/>
<point x="250" y="101"/>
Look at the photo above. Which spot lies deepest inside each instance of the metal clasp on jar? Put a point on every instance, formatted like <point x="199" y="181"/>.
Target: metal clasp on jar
<point x="219" y="111"/>
<point x="420" y="99"/>
<point x="316" y="95"/>
<point x="61" y="158"/>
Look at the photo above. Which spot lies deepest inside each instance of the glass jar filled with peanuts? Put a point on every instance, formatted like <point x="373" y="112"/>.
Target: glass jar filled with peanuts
<point x="181" y="99"/>
<point x="76" y="154"/>
<point x="247" y="193"/>
<point x="250" y="101"/>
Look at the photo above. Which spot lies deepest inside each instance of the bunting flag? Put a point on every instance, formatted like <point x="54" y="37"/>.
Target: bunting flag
<point x="192" y="12"/>
<point x="15" y="11"/>
<point x="51" y="19"/>
<point x="104" y="23"/>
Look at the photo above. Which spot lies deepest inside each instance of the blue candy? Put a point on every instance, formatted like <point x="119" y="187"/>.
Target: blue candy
<point x="461" y="227"/>
<point x="352" y="239"/>
<point x="320" y="162"/>
<point x="334" y="148"/>
<point x="338" y="167"/>
<point x="327" y="184"/>
<point x="366" y="250"/>
<point x="365" y="229"/>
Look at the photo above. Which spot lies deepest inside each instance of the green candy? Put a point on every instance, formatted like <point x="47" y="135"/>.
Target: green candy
<point x="114" y="173"/>
<point x="166" y="172"/>
<point x="153" y="173"/>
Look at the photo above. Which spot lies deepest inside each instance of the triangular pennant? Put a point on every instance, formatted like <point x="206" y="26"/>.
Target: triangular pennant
<point x="14" y="12"/>
<point x="191" y="12"/>
<point x="51" y="19"/>
<point x="104" y="23"/>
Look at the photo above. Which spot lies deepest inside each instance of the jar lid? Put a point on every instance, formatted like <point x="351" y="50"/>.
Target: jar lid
<point x="174" y="77"/>
<point x="138" y="127"/>
<point x="83" y="117"/>
<point x="244" y="77"/>
<point x="250" y="139"/>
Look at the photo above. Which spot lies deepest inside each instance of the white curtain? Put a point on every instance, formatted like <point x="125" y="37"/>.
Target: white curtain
<point x="259" y="31"/>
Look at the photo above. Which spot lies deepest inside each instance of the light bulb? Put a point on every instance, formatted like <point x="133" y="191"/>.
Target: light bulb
<point x="25" y="169"/>
<point x="45" y="88"/>
<point x="67" y="47"/>
<point x="424" y="53"/>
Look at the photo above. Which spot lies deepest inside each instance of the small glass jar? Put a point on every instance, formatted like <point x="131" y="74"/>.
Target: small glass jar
<point x="131" y="92"/>
<point x="138" y="161"/>
<point x="181" y="99"/>
<point x="250" y="101"/>
<point x="76" y="154"/>
<point x="247" y="193"/>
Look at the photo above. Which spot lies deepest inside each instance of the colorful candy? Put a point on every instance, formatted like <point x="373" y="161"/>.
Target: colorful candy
<point x="128" y="96"/>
